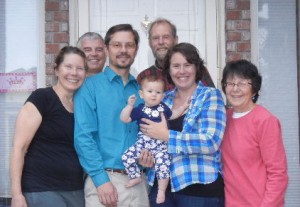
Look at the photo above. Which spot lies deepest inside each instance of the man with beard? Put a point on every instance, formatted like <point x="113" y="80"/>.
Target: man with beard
<point x="92" y="44"/>
<point x="163" y="36"/>
<point x="100" y="136"/>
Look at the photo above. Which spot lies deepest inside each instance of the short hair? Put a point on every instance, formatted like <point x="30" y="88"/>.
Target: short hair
<point x="89" y="36"/>
<point x="119" y="28"/>
<point x="243" y="69"/>
<point x="152" y="78"/>
<point x="162" y="21"/>
<point x="191" y="54"/>
<point x="68" y="50"/>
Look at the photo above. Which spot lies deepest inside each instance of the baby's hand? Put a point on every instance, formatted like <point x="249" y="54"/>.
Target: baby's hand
<point x="131" y="100"/>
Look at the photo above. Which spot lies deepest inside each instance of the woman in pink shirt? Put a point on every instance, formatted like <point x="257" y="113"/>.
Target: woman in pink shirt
<point x="254" y="160"/>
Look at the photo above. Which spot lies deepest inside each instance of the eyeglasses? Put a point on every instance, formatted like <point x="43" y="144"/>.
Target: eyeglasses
<point x="119" y="45"/>
<point x="241" y="85"/>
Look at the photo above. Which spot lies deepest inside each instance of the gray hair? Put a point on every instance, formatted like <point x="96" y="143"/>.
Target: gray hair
<point x="160" y="21"/>
<point x="89" y="36"/>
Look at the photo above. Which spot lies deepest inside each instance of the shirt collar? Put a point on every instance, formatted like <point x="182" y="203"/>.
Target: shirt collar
<point x="111" y="75"/>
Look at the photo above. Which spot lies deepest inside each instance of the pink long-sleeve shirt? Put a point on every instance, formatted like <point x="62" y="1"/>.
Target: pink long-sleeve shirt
<point x="254" y="160"/>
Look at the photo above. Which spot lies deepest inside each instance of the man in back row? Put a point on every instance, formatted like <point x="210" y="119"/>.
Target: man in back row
<point x="163" y="36"/>
<point x="92" y="44"/>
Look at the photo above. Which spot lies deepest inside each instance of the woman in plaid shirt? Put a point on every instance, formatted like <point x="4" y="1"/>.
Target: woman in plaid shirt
<point x="194" y="139"/>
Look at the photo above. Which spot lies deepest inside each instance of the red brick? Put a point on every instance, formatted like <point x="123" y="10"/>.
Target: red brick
<point x="231" y="47"/>
<point x="50" y="80"/>
<point x="61" y="37"/>
<point x="64" y="5"/>
<point x="51" y="6"/>
<point x="243" y="5"/>
<point x="234" y="36"/>
<point x="246" y="56"/>
<point x="246" y="14"/>
<point x="243" y="25"/>
<point x="246" y="35"/>
<point x="49" y="37"/>
<point x="232" y="15"/>
<point x="63" y="44"/>
<point x="237" y="28"/>
<point x="243" y="46"/>
<point x="50" y="69"/>
<point x="49" y="17"/>
<point x="52" y="48"/>
<point x="233" y="56"/>
<point x="230" y="4"/>
<point x="49" y="58"/>
<point x="52" y="27"/>
<point x="230" y="25"/>
<point x="61" y="16"/>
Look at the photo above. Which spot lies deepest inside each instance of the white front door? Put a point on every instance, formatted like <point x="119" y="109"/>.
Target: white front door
<point x="196" y="22"/>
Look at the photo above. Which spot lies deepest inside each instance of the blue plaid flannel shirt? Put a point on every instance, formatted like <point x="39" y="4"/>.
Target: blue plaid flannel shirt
<point x="195" y="152"/>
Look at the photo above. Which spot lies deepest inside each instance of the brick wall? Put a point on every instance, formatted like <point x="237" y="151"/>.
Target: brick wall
<point x="237" y="27"/>
<point x="56" y="33"/>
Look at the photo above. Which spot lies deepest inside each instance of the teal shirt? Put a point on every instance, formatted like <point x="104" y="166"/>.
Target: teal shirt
<point x="100" y="136"/>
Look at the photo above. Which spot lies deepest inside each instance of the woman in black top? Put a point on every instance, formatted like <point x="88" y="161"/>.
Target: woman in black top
<point x="45" y="170"/>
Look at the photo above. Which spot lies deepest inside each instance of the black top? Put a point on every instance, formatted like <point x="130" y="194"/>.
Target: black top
<point x="51" y="163"/>
<point x="214" y="189"/>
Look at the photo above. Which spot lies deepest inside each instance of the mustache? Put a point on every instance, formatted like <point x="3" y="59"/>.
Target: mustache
<point x="159" y="48"/>
<point x="124" y="54"/>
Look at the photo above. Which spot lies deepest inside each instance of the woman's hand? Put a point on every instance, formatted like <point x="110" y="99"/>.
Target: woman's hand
<point x="156" y="130"/>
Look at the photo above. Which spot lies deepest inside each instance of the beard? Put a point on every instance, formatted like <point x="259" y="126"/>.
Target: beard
<point x="123" y="63"/>
<point x="160" y="54"/>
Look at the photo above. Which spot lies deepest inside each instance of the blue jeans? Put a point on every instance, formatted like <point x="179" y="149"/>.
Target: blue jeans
<point x="169" y="201"/>
<point x="55" y="199"/>
<point x="181" y="200"/>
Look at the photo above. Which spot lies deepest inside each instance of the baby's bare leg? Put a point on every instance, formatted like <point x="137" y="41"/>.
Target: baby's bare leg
<point x="162" y="186"/>
<point x="133" y="182"/>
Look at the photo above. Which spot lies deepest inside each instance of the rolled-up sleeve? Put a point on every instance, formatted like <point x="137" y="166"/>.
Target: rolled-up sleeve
<point x="203" y="127"/>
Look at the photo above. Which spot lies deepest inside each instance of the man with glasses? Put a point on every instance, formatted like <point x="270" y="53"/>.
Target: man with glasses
<point x="92" y="44"/>
<point x="163" y="36"/>
<point x="100" y="136"/>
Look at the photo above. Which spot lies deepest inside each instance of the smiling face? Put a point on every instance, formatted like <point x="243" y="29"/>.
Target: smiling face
<point x="122" y="50"/>
<point x="152" y="92"/>
<point x="95" y="51"/>
<point x="161" y="40"/>
<point x="71" y="72"/>
<point x="239" y="93"/>
<point x="182" y="73"/>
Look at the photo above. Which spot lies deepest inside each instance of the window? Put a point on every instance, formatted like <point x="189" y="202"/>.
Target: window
<point x="276" y="54"/>
<point x="21" y="23"/>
